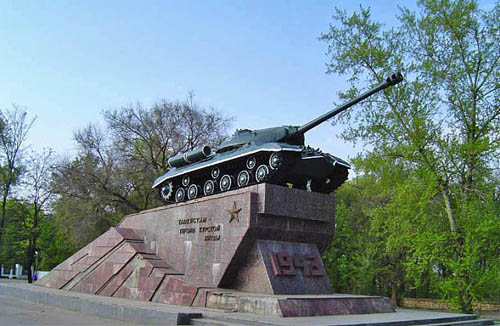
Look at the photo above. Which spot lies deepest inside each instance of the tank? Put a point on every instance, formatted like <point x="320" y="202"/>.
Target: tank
<point x="274" y="155"/>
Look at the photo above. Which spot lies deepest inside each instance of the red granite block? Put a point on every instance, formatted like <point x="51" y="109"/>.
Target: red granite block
<point x="81" y="260"/>
<point x="117" y="281"/>
<point x="201" y="298"/>
<point x="140" y="284"/>
<point x="93" y="282"/>
<point x="141" y="248"/>
<point x="100" y="251"/>
<point x="180" y="299"/>
<point x="89" y="260"/>
<point x="57" y="279"/>
<point x="176" y="291"/>
<point x="334" y="306"/>
<point x="146" y="270"/>
<point x="178" y="285"/>
<point x="158" y="263"/>
<point x="123" y="292"/>
<point x="130" y="234"/>
<point x="157" y="272"/>
<point x="168" y="271"/>
<point x="122" y="255"/>
<point x="150" y="256"/>
<point x="144" y="277"/>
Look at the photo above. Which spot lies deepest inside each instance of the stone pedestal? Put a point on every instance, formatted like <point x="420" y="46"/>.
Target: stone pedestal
<point x="262" y="239"/>
<point x="214" y="242"/>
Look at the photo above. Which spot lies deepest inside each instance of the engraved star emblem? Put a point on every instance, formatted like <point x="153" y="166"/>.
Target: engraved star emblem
<point x="233" y="213"/>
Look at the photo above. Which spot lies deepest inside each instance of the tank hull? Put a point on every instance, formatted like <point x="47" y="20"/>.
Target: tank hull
<point x="296" y="166"/>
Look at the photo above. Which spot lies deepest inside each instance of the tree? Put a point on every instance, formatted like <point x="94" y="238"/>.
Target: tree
<point x="26" y="217"/>
<point x="39" y="195"/>
<point x="14" y="240"/>
<point x="55" y="243"/>
<point x="444" y="120"/>
<point x="116" y="166"/>
<point x="367" y="254"/>
<point x="15" y="126"/>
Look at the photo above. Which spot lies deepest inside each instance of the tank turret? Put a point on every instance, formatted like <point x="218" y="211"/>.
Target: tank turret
<point x="276" y="155"/>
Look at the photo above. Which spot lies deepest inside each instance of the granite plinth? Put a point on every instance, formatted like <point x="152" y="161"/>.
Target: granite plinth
<point x="202" y="241"/>
<point x="298" y="305"/>
<point x="264" y="239"/>
<point x="276" y="267"/>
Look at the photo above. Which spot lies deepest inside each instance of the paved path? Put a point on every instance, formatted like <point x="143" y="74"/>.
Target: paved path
<point x="84" y="309"/>
<point x="14" y="312"/>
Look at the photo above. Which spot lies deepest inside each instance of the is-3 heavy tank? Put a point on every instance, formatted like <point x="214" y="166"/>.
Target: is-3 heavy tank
<point x="274" y="155"/>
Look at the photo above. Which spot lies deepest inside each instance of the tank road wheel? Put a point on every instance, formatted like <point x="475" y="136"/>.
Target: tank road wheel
<point x="179" y="195"/>
<point x="215" y="173"/>
<point x="192" y="191"/>
<point x="185" y="181"/>
<point x="209" y="187"/>
<point x="251" y="162"/>
<point x="275" y="160"/>
<point x="225" y="182"/>
<point x="261" y="173"/>
<point x="243" y="178"/>
<point x="166" y="191"/>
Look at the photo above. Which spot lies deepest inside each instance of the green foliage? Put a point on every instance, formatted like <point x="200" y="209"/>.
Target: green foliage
<point x="16" y="233"/>
<point x="339" y="258"/>
<point x="14" y="127"/>
<point x="22" y="229"/>
<point x="392" y="239"/>
<point x="435" y="141"/>
<point x="55" y="243"/>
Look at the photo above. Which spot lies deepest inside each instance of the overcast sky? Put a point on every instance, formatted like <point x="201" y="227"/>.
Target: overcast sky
<point x="259" y="61"/>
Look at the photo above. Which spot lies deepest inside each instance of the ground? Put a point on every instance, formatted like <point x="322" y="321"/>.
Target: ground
<point x="14" y="312"/>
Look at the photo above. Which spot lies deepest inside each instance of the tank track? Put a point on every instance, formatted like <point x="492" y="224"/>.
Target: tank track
<point x="205" y="182"/>
<point x="231" y="175"/>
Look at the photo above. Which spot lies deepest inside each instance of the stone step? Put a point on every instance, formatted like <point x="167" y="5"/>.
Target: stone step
<point x="476" y="322"/>
<point x="466" y="320"/>
<point x="218" y="322"/>
<point x="297" y="305"/>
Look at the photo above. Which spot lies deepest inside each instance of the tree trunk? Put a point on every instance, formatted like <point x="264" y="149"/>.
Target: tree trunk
<point x="4" y="208"/>
<point x="30" y="254"/>
<point x="427" y="282"/>
<point x="29" y="263"/>
<point x="30" y="275"/>
<point x="394" y="294"/>
<point x="449" y="209"/>
<point x="466" y="302"/>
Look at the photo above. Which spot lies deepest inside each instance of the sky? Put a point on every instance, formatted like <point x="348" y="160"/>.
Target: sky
<point x="258" y="61"/>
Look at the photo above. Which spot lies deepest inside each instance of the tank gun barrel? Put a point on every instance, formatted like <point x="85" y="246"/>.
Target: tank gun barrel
<point x="390" y="81"/>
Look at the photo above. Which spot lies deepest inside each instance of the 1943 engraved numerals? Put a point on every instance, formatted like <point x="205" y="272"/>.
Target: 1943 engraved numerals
<point x="283" y="264"/>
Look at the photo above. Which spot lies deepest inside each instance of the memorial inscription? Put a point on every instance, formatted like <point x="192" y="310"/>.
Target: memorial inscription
<point x="192" y="220"/>
<point x="187" y="230"/>
<point x="214" y="228"/>
<point x="284" y="264"/>
<point x="201" y="229"/>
